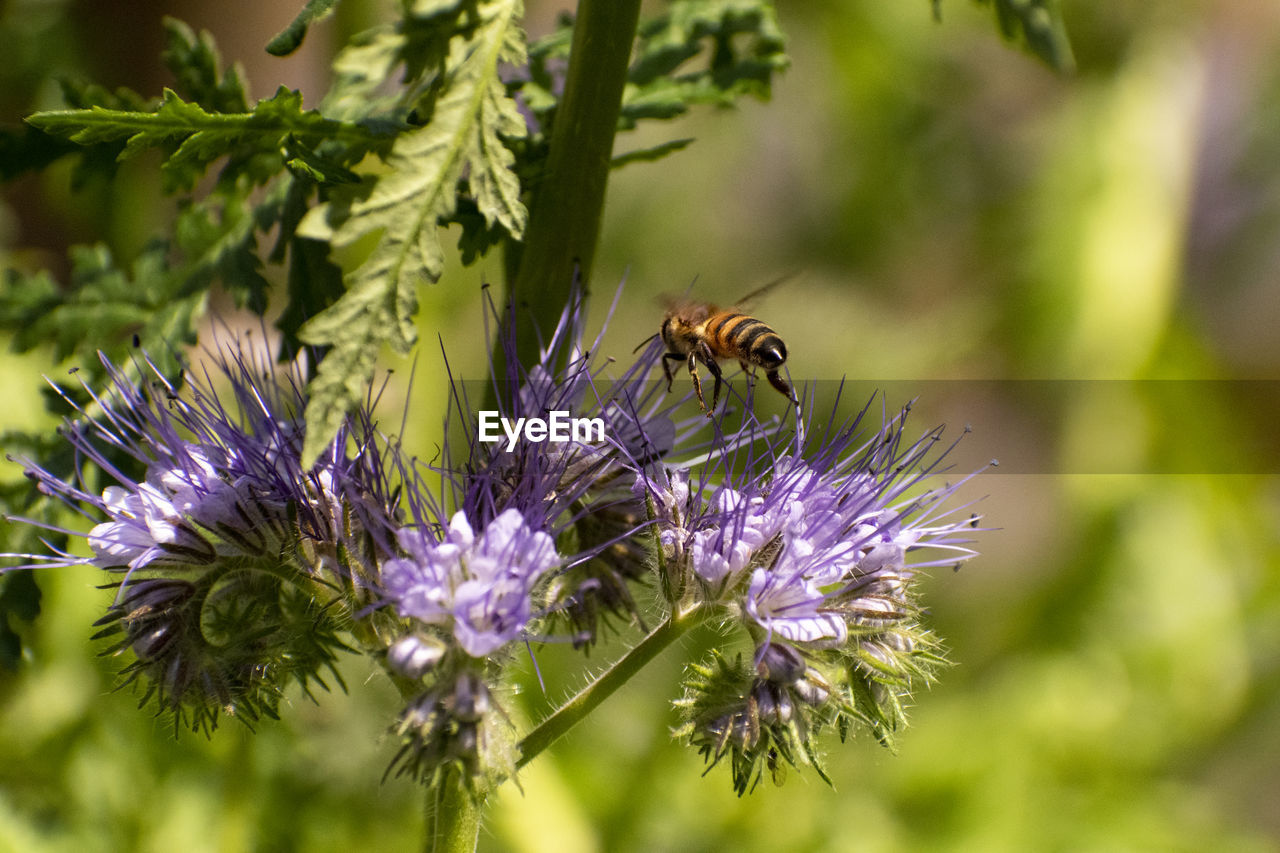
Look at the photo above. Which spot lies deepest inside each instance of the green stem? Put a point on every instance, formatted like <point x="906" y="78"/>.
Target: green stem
<point x="573" y="711"/>
<point x="453" y="816"/>
<point x="565" y="212"/>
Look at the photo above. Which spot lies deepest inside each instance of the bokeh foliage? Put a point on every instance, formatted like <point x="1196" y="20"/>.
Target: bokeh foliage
<point x="956" y="212"/>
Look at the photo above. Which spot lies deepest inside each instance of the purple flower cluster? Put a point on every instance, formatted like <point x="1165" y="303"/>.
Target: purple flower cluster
<point x="811" y="546"/>
<point x="796" y="537"/>
<point x="580" y="488"/>
<point x="479" y="585"/>
<point x="472" y="568"/>
<point x="213" y="485"/>
<point x="240" y="565"/>
<point x="216" y="529"/>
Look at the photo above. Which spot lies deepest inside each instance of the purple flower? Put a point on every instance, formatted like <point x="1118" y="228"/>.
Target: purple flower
<point x="478" y="587"/>
<point x="811" y="546"/>
<point x="227" y="546"/>
<point x="217" y="481"/>
<point x="808" y="538"/>
<point x="553" y="483"/>
<point x="583" y="486"/>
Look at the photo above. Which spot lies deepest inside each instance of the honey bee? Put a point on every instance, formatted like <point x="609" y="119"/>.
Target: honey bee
<point x="701" y="333"/>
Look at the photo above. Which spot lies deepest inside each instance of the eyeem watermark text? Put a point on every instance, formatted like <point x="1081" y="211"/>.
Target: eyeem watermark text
<point x="557" y="426"/>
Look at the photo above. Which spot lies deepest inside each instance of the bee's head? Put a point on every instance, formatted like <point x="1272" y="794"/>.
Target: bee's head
<point x="673" y="331"/>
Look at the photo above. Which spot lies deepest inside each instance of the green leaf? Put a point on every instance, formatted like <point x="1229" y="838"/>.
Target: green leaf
<point x="196" y="137"/>
<point x="746" y="48"/>
<point x="19" y="601"/>
<point x="103" y="308"/>
<point x="196" y="64"/>
<point x="648" y="155"/>
<point x="360" y="71"/>
<point x="1037" y="25"/>
<point x="218" y="238"/>
<point x="30" y="149"/>
<point x="290" y="38"/>
<point x="159" y="301"/>
<point x="80" y="95"/>
<point x="462" y="144"/>
<point x="420" y="42"/>
<point x="315" y="283"/>
<point x="477" y="236"/>
<point x="304" y="161"/>
<point x="732" y="47"/>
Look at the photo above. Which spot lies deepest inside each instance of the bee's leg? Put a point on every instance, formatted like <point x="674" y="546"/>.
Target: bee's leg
<point x="781" y="384"/>
<point x="697" y="384"/>
<point x="714" y="367"/>
<point x="749" y="372"/>
<point x="666" y="367"/>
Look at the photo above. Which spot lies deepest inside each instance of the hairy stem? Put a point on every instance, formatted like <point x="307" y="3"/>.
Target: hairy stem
<point x="573" y="711"/>
<point x="565" y="212"/>
<point x="453" y="816"/>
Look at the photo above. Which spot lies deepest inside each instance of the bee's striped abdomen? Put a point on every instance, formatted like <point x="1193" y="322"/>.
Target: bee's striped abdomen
<point x="735" y="335"/>
<point x="719" y="331"/>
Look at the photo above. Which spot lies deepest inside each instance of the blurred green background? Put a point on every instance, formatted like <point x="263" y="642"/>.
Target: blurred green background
<point x="957" y="216"/>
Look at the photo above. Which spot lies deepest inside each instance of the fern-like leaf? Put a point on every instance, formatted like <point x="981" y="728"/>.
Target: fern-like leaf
<point x="197" y="66"/>
<point x="462" y="142"/>
<point x="105" y="308"/>
<point x="697" y="52"/>
<point x="196" y="137"/>
<point x="746" y="49"/>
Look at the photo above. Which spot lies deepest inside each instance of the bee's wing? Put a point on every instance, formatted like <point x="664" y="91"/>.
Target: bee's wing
<point x="680" y="305"/>
<point x="746" y="302"/>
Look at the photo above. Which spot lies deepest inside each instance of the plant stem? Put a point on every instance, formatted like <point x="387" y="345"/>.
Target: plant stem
<point x="573" y="711"/>
<point x="453" y="816"/>
<point x="565" y="212"/>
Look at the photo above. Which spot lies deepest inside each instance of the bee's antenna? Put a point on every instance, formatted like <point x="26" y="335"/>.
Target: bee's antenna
<point x="645" y="341"/>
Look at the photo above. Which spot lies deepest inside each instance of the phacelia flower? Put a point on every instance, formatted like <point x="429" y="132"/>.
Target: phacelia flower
<point x="472" y="568"/>
<point x="582" y="488"/>
<point x="520" y="539"/>
<point x="811" y="547"/>
<point x="464" y="596"/>
<point x="479" y="587"/>
<point x="221" y="540"/>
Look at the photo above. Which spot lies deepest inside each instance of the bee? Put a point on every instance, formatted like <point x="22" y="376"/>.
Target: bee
<point x="700" y="333"/>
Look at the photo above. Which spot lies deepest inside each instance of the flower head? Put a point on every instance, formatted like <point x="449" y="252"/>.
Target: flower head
<point x="808" y="544"/>
<point x="220" y="537"/>
<point x="582" y="488"/>
<point x="518" y="540"/>
<point x="479" y="587"/>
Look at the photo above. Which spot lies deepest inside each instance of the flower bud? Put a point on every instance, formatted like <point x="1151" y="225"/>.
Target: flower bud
<point x="813" y="688"/>
<point x="414" y="656"/>
<point x="780" y="664"/>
